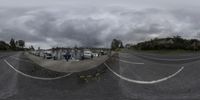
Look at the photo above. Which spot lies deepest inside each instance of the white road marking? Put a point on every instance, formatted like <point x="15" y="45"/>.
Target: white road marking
<point x="130" y="62"/>
<point x="169" y="59"/>
<point x="33" y="77"/>
<point x="21" y="59"/>
<point x="144" y="82"/>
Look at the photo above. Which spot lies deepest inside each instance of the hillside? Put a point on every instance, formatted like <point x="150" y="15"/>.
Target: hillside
<point x="170" y="43"/>
<point x="4" y="46"/>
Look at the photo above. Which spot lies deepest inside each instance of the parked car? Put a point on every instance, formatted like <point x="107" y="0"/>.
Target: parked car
<point x="95" y="54"/>
<point x="102" y="52"/>
<point x="37" y="53"/>
<point x="48" y="56"/>
<point x="87" y="54"/>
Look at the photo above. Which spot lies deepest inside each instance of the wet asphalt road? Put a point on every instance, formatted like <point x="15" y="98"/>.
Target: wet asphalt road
<point x="185" y="85"/>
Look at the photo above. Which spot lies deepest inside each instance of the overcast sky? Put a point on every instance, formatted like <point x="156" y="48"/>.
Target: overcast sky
<point x="94" y="23"/>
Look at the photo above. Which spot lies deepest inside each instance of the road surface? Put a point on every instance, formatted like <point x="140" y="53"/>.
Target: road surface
<point x="130" y="76"/>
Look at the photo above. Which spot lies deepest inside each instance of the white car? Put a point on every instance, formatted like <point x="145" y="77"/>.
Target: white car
<point x="95" y="54"/>
<point x="48" y="56"/>
<point x="87" y="54"/>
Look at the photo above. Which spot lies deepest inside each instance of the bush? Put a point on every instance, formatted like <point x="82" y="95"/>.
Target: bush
<point x="173" y="43"/>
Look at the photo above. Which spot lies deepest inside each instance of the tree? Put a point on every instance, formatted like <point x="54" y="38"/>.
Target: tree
<point x="120" y="44"/>
<point x="32" y="48"/>
<point x="12" y="44"/>
<point x="21" y="43"/>
<point x="169" y="43"/>
<point x="39" y="48"/>
<point x="116" y="44"/>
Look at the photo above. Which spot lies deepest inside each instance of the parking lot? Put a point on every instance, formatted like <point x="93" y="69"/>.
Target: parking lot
<point x="70" y="54"/>
<point x="129" y="76"/>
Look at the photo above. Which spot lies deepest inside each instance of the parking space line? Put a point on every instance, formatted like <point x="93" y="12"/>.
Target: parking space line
<point x="130" y="62"/>
<point x="144" y="82"/>
<point x="34" y="77"/>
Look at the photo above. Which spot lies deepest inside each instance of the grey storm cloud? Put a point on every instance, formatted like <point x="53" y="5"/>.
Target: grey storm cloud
<point x="94" y="27"/>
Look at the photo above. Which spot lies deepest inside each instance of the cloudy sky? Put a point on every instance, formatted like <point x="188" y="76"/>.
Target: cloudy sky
<point x="94" y="23"/>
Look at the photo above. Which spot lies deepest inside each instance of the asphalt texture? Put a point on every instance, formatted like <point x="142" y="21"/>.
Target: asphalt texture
<point x="143" y="67"/>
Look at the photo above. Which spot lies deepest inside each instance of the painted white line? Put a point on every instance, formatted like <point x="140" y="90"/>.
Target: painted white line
<point x="21" y="59"/>
<point x="169" y="59"/>
<point x="144" y="82"/>
<point x="130" y="62"/>
<point x="33" y="77"/>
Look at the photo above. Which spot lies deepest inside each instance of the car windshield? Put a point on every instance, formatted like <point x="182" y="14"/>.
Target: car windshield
<point x="99" y="50"/>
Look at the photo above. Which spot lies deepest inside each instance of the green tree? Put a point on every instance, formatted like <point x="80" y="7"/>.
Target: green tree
<point x="21" y="43"/>
<point x="116" y="44"/>
<point x="120" y="44"/>
<point x="12" y="44"/>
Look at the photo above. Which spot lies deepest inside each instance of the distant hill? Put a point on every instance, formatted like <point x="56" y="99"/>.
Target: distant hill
<point x="170" y="43"/>
<point x="4" y="46"/>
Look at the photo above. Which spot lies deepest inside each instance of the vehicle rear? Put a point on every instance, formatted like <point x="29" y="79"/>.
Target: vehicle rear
<point x="87" y="54"/>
